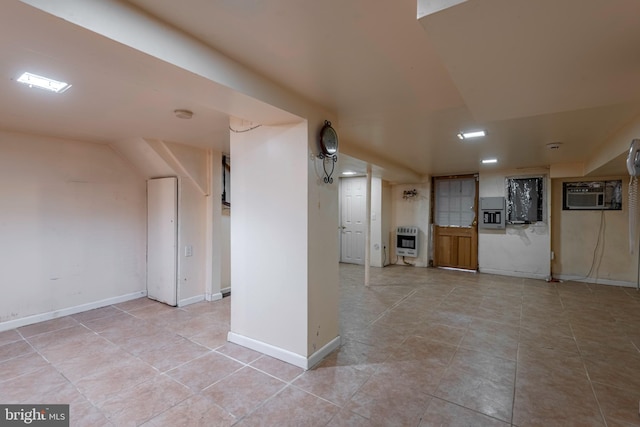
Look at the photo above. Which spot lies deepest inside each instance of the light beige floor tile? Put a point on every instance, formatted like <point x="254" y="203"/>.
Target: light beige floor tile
<point x="61" y="337"/>
<point x="238" y="352"/>
<point x="478" y="392"/>
<point x="196" y="411"/>
<point x="618" y="405"/>
<point x="14" y="349"/>
<point x="21" y="365"/>
<point x="113" y="379"/>
<point x="98" y="313"/>
<point x="493" y="343"/>
<point x="292" y="407"/>
<point x="243" y="391"/>
<point x="405" y="375"/>
<point x="143" y="402"/>
<point x="334" y="383"/>
<point x="437" y="332"/>
<point x="10" y="336"/>
<point x="200" y="373"/>
<point x="212" y="338"/>
<point x="441" y="413"/>
<point x="346" y="418"/>
<point x="48" y="326"/>
<point x="277" y="368"/>
<point x="173" y="354"/>
<point x="45" y="385"/>
<point x="566" y="404"/>
<point x="392" y="407"/>
<point x="471" y="339"/>
<point x="85" y="414"/>
<point x="136" y="303"/>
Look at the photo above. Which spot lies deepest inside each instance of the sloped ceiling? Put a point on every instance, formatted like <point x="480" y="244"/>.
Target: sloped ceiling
<point x="530" y="73"/>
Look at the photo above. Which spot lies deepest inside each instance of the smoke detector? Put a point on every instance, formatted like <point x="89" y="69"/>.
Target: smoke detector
<point x="183" y="114"/>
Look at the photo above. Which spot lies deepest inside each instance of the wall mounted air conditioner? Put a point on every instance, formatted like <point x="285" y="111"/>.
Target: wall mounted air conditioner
<point x="584" y="197"/>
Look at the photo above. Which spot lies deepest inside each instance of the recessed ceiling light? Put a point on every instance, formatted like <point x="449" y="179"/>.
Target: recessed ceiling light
<point x="33" y="80"/>
<point x="471" y="134"/>
<point x="487" y="161"/>
<point x="349" y="173"/>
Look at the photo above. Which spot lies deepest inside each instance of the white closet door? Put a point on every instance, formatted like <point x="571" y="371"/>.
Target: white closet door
<point x="162" y="239"/>
<point x="353" y="216"/>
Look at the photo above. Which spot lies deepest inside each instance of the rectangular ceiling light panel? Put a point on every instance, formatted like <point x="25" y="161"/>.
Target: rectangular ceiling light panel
<point x="472" y="134"/>
<point x="33" y="80"/>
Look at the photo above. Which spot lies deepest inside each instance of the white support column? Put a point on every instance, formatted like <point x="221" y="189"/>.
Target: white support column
<point x="367" y="240"/>
<point x="284" y="246"/>
<point x="214" y="232"/>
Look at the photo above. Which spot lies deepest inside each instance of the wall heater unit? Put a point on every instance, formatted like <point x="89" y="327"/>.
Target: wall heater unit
<point x="407" y="241"/>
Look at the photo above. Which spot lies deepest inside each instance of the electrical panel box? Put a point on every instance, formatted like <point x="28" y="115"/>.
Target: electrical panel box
<point x="492" y="213"/>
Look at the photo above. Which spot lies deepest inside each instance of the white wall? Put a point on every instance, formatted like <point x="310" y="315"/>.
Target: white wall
<point x="72" y="225"/>
<point x="415" y="211"/>
<point x="225" y="264"/>
<point x="376" y="248"/>
<point x="592" y="245"/>
<point x="322" y="247"/>
<point x="270" y="240"/>
<point x="284" y="246"/>
<point x="520" y="250"/>
<point x="191" y="233"/>
<point x="386" y="222"/>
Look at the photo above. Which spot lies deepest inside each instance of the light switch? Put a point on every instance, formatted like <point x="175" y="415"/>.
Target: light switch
<point x="188" y="250"/>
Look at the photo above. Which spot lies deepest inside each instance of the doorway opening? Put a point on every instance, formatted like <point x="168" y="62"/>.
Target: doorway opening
<point x="455" y="225"/>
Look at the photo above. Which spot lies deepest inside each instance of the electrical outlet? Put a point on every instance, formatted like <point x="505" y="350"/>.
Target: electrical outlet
<point x="188" y="250"/>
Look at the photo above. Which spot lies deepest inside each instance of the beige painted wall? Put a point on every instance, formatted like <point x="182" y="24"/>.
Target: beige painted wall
<point x="284" y="245"/>
<point x="415" y="211"/>
<point x="191" y="233"/>
<point x="72" y="226"/>
<point x="518" y="250"/>
<point x="269" y="229"/>
<point x="575" y="236"/>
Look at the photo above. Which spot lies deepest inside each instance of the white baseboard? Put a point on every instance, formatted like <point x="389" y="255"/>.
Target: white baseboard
<point x="521" y="274"/>
<point x="317" y="357"/>
<point x="29" y="320"/>
<point x="595" y="281"/>
<point x="213" y="297"/>
<point x="191" y="300"/>
<point x="285" y="355"/>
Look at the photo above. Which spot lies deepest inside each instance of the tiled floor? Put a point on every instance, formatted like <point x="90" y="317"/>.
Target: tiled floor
<point x="421" y="347"/>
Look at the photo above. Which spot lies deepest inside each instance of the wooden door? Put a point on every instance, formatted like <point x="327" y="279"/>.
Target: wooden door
<point x="353" y="199"/>
<point x="455" y="223"/>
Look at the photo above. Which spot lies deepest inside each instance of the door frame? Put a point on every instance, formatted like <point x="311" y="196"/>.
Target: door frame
<point x="474" y="225"/>
<point x="341" y="226"/>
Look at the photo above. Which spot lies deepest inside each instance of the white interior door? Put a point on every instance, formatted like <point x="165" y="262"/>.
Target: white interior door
<point x="162" y="239"/>
<point x="353" y="199"/>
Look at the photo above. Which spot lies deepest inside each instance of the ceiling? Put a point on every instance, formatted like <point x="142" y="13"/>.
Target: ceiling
<point x="529" y="73"/>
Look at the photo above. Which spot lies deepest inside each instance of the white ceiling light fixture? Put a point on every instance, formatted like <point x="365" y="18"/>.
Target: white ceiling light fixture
<point x="183" y="114"/>
<point x="489" y="161"/>
<point x="471" y="134"/>
<point x="46" y="83"/>
<point x="349" y="173"/>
